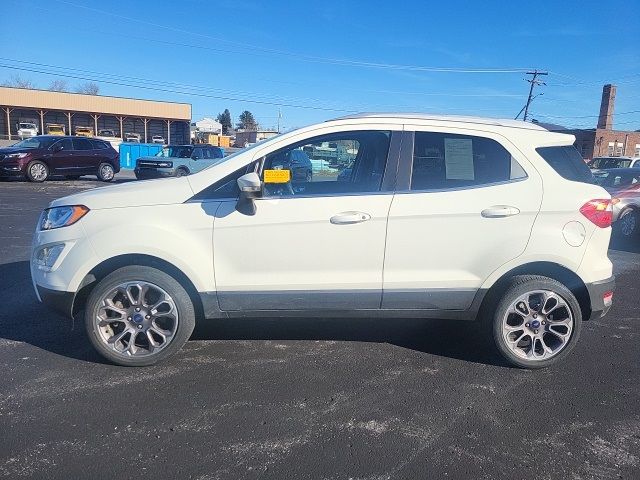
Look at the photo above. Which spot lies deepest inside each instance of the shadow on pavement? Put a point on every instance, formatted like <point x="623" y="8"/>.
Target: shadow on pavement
<point x="24" y="319"/>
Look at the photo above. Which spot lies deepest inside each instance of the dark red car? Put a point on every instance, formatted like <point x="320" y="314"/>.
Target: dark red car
<point x="42" y="156"/>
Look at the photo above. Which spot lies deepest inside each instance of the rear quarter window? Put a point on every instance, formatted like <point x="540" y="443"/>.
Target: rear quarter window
<point x="567" y="162"/>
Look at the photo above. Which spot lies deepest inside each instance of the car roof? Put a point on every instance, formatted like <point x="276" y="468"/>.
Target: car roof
<point x="499" y="122"/>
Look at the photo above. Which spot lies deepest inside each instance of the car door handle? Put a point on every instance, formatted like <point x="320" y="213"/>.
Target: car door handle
<point x="347" y="218"/>
<point x="499" y="211"/>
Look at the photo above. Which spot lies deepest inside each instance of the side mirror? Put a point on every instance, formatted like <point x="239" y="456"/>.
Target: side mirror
<point x="250" y="188"/>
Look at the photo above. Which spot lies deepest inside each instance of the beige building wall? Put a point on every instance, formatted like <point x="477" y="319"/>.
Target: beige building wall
<point x="76" y="102"/>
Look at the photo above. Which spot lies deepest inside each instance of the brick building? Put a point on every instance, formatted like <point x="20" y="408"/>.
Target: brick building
<point x="604" y="140"/>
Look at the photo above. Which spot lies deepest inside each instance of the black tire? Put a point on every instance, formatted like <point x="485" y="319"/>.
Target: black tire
<point x="181" y="172"/>
<point x="627" y="215"/>
<point x="37" y="166"/>
<point x="516" y="287"/>
<point x="106" y="172"/>
<point x="181" y="299"/>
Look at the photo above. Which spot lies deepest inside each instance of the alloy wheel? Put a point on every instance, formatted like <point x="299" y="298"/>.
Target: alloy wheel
<point x="106" y="172"/>
<point x="538" y="325"/>
<point x="628" y="224"/>
<point x="38" y="172"/>
<point x="137" y="319"/>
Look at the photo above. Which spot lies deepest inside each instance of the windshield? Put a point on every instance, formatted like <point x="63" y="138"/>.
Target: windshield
<point x="35" y="142"/>
<point x="616" y="179"/>
<point x="244" y="150"/>
<point x="175" y="152"/>
<point x="611" y="162"/>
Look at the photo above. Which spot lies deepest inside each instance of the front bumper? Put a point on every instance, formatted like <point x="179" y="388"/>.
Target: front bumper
<point x="599" y="298"/>
<point x="11" y="171"/>
<point x="154" y="172"/>
<point x="59" y="301"/>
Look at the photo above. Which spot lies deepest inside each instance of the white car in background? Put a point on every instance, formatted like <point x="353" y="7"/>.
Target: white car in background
<point x="491" y="221"/>
<point x="158" y="139"/>
<point x="27" y="130"/>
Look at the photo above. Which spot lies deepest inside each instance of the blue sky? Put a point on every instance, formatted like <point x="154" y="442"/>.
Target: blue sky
<point x="319" y="60"/>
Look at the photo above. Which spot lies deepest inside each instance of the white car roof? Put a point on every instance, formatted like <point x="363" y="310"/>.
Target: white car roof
<point x="447" y="119"/>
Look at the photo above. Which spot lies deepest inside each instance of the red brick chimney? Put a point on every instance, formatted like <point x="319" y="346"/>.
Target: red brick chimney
<point x="605" y="119"/>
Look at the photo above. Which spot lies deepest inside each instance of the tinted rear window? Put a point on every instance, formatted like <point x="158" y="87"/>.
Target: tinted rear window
<point x="567" y="162"/>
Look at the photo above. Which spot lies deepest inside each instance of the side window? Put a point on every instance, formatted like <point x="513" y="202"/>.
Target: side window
<point x="197" y="153"/>
<point x="98" y="145"/>
<point x="66" y="144"/>
<point x="344" y="163"/>
<point x="567" y="162"/>
<point x="444" y="160"/>
<point x="82" y="144"/>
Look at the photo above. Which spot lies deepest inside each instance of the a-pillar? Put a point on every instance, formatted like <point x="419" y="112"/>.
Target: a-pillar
<point x="145" y="121"/>
<point x="95" y="117"/>
<point x="8" y="112"/>
<point x="169" y="132"/>
<point x="42" y="113"/>
<point x="69" y="115"/>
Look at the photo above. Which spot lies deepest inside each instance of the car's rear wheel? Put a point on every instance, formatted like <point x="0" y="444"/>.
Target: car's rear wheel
<point x="106" y="172"/>
<point x="628" y="223"/>
<point x="37" y="171"/>
<point x="536" y="321"/>
<point x="138" y="316"/>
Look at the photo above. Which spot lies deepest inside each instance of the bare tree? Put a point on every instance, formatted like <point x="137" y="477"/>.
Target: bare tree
<point x="59" y="85"/>
<point x="88" y="88"/>
<point x="18" y="82"/>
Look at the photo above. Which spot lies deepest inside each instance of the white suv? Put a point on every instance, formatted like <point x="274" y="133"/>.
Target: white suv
<point x="421" y="216"/>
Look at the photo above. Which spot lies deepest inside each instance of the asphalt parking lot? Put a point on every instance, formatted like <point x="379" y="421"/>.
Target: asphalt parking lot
<point x="316" y="399"/>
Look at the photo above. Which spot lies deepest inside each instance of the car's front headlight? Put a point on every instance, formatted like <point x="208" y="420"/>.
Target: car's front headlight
<point x="57" y="217"/>
<point x="165" y="164"/>
<point x="16" y="155"/>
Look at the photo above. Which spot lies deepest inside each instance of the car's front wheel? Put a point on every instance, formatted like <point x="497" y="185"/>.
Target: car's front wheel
<point x="106" y="172"/>
<point x="37" y="171"/>
<point x="536" y="321"/>
<point x="138" y="316"/>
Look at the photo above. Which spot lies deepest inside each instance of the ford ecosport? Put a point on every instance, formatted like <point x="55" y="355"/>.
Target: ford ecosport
<point x="461" y="218"/>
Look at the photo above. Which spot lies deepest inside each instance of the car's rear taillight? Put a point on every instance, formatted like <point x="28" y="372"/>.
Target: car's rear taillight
<point x="598" y="211"/>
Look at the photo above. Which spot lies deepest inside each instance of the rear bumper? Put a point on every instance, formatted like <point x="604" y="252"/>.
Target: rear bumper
<point x="600" y="301"/>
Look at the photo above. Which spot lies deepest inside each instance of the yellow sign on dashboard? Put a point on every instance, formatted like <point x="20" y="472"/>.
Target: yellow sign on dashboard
<point x="277" y="176"/>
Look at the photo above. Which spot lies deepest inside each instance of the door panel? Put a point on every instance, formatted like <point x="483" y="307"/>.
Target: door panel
<point x="445" y="240"/>
<point x="85" y="157"/>
<point x="289" y="255"/>
<point x="63" y="161"/>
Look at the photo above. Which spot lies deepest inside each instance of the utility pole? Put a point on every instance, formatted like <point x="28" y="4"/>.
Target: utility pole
<point x="279" y="117"/>
<point x="533" y="81"/>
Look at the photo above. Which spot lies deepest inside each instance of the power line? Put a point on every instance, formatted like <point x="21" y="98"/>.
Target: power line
<point x="305" y="57"/>
<point x="197" y="94"/>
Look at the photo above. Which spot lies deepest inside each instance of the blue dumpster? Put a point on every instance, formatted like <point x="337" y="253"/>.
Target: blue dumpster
<point x="130" y="152"/>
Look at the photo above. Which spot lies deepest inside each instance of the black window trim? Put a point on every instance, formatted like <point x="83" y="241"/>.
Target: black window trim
<point x="406" y="167"/>
<point x="387" y="186"/>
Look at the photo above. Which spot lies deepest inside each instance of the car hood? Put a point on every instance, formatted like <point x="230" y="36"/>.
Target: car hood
<point x="165" y="191"/>
<point x="8" y="150"/>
